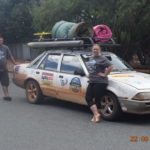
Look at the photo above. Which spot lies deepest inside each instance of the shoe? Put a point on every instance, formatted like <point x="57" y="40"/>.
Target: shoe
<point x="7" y="98"/>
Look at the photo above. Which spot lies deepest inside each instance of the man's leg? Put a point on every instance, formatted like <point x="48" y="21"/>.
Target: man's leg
<point x="89" y="95"/>
<point x="99" y="92"/>
<point x="5" y="90"/>
<point x="5" y="84"/>
<point x="91" y="103"/>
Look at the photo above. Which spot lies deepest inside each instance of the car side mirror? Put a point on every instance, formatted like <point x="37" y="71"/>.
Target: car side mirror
<point x="79" y="72"/>
<point x="109" y="58"/>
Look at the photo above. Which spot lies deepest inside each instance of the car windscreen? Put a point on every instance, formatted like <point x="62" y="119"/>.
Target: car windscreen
<point x="36" y="61"/>
<point x="118" y="63"/>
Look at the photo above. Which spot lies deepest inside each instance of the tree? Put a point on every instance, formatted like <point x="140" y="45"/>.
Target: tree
<point x="17" y="25"/>
<point x="132" y="25"/>
<point x="129" y="20"/>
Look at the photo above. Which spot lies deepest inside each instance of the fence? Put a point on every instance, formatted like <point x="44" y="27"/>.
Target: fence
<point x="22" y="51"/>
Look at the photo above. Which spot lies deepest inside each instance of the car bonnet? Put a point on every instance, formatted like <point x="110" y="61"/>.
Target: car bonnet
<point x="138" y="80"/>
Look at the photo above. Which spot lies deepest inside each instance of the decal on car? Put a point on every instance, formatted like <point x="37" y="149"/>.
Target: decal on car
<point x="17" y="69"/>
<point x="75" y="85"/>
<point x="63" y="82"/>
<point x="47" y="78"/>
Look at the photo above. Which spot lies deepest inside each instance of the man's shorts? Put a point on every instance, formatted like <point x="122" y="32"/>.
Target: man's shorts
<point x="4" y="78"/>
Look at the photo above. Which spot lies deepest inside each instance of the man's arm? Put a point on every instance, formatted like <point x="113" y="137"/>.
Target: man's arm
<point x="13" y="60"/>
<point x="9" y="56"/>
<point x="107" y="71"/>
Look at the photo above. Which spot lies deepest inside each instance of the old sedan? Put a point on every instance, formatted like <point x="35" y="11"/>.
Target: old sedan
<point x="64" y="75"/>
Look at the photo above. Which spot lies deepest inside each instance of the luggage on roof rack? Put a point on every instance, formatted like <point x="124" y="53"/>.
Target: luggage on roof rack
<point x="65" y="29"/>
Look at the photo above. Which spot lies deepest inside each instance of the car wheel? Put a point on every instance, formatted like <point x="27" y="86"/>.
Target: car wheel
<point x="110" y="107"/>
<point x="33" y="92"/>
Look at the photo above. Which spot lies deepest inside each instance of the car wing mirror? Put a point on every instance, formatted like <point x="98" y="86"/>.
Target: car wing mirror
<point x="79" y="72"/>
<point x="109" y="58"/>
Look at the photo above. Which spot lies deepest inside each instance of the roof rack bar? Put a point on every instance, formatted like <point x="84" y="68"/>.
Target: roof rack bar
<point x="72" y="42"/>
<point x="75" y="38"/>
<point x="51" y="44"/>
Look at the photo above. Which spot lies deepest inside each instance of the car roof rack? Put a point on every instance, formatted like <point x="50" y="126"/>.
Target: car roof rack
<point x="84" y="42"/>
<point x="56" y="44"/>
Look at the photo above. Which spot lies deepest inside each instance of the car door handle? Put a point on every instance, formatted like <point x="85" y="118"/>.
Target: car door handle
<point x="60" y="76"/>
<point x="37" y="72"/>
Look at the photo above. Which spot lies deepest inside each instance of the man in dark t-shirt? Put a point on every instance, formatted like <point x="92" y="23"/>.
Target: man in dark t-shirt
<point x="5" y="54"/>
<point x="98" y="67"/>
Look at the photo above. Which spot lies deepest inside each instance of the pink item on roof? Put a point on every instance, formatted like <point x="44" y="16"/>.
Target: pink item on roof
<point x="102" y="33"/>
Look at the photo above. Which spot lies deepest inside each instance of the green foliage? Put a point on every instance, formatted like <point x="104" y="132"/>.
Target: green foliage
<point x="16" y="20"/>
<point x="132" y="25"/>
<point x="129" y="19"/>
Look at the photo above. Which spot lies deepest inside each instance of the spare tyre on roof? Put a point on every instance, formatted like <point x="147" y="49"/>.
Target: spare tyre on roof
<point x="65" y="29"/>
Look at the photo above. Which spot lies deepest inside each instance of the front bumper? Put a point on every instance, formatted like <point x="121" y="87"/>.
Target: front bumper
<point x="135" y="107"/>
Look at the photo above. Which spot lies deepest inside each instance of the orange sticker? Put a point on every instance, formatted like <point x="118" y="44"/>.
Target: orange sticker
<point x="122" y="75"/>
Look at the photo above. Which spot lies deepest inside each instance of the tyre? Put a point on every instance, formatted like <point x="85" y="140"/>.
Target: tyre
<point x="33" y="92"/>
<point x="110" y="107"/>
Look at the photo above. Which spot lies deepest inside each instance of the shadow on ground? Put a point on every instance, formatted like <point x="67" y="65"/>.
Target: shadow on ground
<point x="125" y="118"/>
<point x="66" y="105"/>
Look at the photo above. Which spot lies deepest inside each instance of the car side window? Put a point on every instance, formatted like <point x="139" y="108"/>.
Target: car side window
<point x="50" y="62"/>
<point x="70" y="64"/>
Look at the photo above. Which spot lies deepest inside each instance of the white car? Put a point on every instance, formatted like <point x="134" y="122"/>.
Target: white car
<point x="64" y="75"/>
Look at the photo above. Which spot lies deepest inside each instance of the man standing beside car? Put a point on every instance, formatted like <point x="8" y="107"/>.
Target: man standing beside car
<point x="99" y="67"/>
<point x="5" y="54"/>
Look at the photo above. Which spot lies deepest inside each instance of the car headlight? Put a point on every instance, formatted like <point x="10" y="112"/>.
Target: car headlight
<point x="142" y="96"/>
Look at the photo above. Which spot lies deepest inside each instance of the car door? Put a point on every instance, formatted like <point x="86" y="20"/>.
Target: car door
<point x="48" y="74"/>
<point x="71" y="81"/>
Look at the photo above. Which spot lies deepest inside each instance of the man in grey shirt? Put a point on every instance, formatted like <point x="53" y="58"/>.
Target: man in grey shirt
<point x="97" y="64"/>
<point x="5" y="54"/>
<point x="99" y="67"/>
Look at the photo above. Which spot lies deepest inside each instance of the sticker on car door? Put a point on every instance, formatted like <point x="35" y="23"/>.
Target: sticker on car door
<point x="75" y="85"/>
<point x="47" y="78"/>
